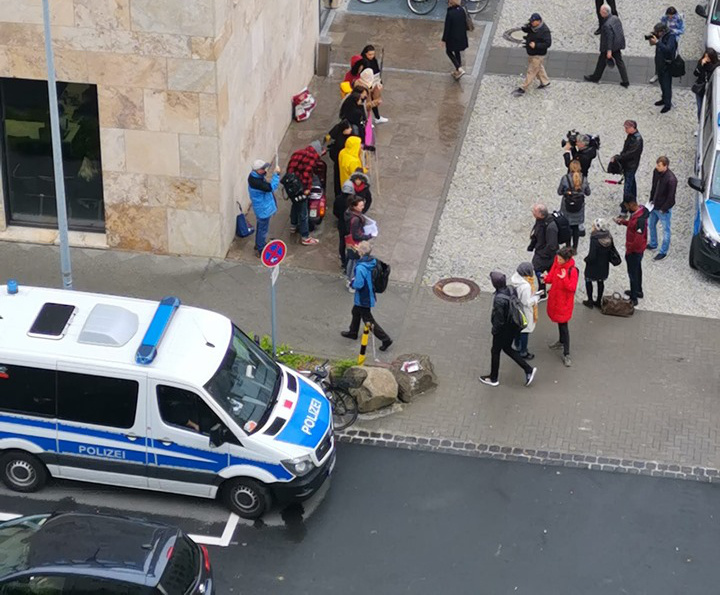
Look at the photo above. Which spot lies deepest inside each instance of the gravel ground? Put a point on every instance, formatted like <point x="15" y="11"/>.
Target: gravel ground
<point x="511" y="158"/>
<point x="574" y="33"/>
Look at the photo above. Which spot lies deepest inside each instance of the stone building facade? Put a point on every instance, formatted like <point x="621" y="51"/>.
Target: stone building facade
<point x="184" y="95"/>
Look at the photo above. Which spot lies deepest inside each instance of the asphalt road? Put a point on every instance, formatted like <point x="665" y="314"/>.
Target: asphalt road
<point x="396" y="521"/>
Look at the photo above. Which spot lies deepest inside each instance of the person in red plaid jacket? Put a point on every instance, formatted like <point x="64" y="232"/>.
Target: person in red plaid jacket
<point x="302" y="163"/>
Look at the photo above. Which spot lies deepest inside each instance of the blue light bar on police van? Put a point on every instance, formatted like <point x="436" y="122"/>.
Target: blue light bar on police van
<point x="148" y="349"/>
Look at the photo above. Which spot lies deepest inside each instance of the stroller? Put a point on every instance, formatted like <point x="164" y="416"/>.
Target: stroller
<point x="317" y="200"/>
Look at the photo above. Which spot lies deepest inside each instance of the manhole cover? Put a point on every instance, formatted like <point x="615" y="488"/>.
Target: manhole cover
<point x="456" y="289"/>
<point x="515" y="35"/>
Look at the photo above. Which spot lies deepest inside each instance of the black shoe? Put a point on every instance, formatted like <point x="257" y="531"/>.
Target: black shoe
<point x="591" y="79"/>
<point x="528" y="356"/>
<point x="660" y="256"/>
<point x="385" y="345"/>
<point x="634" y="301"/>
<point x="625" y="84"/>
<point x="598" y="303"/>
<point x="589" y="303"/>
<point x="640" y="295"/>
<point x="348" y="335"/>
<point x="665" y="110"/>
<point x="545" y="86"/>
<point x="661" y="102"/>
<point x="597" y="31"/>
<point x="257" y="253"/>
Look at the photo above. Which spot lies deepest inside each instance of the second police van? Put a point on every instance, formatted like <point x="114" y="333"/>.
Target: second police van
<point x="165" y="397"/>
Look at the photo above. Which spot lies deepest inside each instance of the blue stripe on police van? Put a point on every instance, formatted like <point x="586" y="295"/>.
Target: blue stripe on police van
<point x="310" y="420"/>
<point x="713" y="208"/>
<point x="25" y="421"/>
<point x="278" y="471"/>
<point x="62" y="427"/>
<point x="47" y="444"/>
<point x="102" y="452"/>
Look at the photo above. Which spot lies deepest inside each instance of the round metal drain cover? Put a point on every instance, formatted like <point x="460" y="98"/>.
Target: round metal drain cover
<point x="515" y="35"/>
<point x="456" y="289"/>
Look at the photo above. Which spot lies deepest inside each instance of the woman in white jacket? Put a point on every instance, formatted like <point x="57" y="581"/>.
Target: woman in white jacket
<point x="524" y="282"/>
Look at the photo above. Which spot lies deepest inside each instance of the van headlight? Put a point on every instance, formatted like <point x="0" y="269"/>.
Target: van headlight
<point x="708" y="239"/>
<point x="299" y="466"/>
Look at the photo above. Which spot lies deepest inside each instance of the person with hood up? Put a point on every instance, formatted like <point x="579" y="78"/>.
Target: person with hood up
<point x="359" y="185"/>
<point x="597" y="261"/>
<point x="504" y="332"/>
<point x="303" y="163"/>
<point x="523" y="279"/>
<point x="349" y="159"/>
<point x="335" y="142"/>
<point x="365" y="298"/>
<point x="263" y="200"/>
<point x="563" y="279"/>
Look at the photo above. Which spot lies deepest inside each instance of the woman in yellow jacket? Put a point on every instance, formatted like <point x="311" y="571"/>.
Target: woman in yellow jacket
<point x="349" y="159"/>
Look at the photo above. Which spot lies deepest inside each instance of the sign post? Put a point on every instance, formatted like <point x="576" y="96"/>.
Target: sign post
<point x="272" y="255"/>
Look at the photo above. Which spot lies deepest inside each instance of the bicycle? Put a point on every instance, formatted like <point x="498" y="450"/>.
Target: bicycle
<point x="427" y="6"/>
<point x="344" y="405"/>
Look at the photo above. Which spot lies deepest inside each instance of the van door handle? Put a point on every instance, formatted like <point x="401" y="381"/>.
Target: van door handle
<point x="131" y="437"/>
<point x="166" y="442"/>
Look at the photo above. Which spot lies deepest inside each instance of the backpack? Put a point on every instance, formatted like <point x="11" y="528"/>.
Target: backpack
<point x="575" y="200"/>
<point x="380" y="276"/>
<point x="516" y="313"/>
<point x="563" y="225"/>
<point x="293" y="187"/>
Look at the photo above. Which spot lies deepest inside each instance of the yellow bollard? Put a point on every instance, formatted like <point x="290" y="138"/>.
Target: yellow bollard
<point x="363" y="344"/>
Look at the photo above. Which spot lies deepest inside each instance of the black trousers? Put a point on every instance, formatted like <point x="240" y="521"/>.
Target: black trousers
<point x="589" y="289"/>
<point x="342" y="251"/>
<point x="602" y="62"/>
<point x="634" y="269"/>
<point x="574" y="237"/>
<point x="455" y="57"/>
<point x="564" y="331"/>
<point x="665" y="80"/>
<point x="503" y="342"/>
<point x="599" y="3"/>
<point x="365" y="314"/>
<point x="336" y="178"/>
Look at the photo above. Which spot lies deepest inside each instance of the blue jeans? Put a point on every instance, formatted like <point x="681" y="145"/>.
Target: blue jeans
<point x="664" y="218"/>
<point x="630" y="188"/>
<point x="262" y="226"/>
<point x="299" y="217"/>
<point x="521" y="343"/>
<point x="699" y="99"/>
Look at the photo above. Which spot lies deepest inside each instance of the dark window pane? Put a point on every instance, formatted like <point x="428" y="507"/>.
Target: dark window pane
<point x="183" y="567"/>
<point x="185" y="409"/>
<point x="27" y="390"/>
<point x="97" y="399"/>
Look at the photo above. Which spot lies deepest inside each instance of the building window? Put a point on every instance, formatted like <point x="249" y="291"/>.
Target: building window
<point x="27" y="154"/>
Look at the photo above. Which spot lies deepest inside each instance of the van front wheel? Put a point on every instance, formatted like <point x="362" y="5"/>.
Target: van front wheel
<point x="22" y="472"/>
<point x="246" y="498"/>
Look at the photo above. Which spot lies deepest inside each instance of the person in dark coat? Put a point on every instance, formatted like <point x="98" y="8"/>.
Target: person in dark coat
<point x="666" y="47"/>
<point x="612" y="42"/>
<point x="543" y="242"/>
<point x="455" y="36"/>
<point x="538" y="40"/>
<point x="354" y="111"/>
<point x="597" y="261"/>
<point x="629" y="160"/>
<point x="702" y="73"/>
<point x="598" y="4"/>
<point x="335" y="142"/>
<point x="504" y="332"/>
<point x="582" y="151"/>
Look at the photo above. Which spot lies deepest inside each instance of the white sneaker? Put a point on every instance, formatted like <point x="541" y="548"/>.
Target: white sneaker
<point x="654" y="79"/>
<point x="382" y="120"/>
<point x="460" y="73"/>
<point x="489" y="381"/>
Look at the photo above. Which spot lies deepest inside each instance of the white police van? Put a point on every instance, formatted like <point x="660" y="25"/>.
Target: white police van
<point x="705" y="245"/>
<point x="165" y="397"/>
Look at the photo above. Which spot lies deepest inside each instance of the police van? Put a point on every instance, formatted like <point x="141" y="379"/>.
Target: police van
<point x="705" y="245"/>
<point x="158" y="396"/>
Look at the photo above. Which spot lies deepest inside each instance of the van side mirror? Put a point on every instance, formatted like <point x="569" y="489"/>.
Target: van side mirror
<point x="701" y="11"/>
<point x="696" y="184"/>
<point x="218" y="435"/>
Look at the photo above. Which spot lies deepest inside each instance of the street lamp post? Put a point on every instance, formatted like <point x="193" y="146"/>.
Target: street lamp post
<point x="65" y="265"/>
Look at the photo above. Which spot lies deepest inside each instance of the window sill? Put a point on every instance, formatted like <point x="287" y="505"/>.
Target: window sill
<point x="37" y="235"/>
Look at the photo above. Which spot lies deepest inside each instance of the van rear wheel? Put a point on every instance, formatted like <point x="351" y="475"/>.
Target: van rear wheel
<point x="22" y="472"/>
<point x="246" y="498"/>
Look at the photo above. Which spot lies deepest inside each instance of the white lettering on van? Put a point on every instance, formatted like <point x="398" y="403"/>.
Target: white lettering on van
<point x="311" y="419"/>
<point x="101" y="451"/>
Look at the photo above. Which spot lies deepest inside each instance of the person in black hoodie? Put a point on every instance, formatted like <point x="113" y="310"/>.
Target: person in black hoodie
<point x="503" y="333"/>
<point x="538" y="40"/>
<point x="335" y="142"/>
<point x="354" y="111"/>
<point x="597" y="261"/>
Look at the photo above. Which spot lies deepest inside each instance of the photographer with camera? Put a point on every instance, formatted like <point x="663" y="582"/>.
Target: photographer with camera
<point x="582" y="148"/>
<point x="537" y="41"/>
<point x="612" y="42"/>
<point x="628" y="161"/>
<point x="666" y="46"/>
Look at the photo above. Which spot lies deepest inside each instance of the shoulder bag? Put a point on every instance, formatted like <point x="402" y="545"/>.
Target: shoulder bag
<point x="469" y="23"/>
<point x="616" y="305"/>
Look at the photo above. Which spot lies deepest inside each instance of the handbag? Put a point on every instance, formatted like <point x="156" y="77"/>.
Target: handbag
<point x="615" y="258"/>
<point x="698" y="88"/>
<point x="616" y="305"/>
<point x="677" y="66"/>
<point x="469" y="23"/>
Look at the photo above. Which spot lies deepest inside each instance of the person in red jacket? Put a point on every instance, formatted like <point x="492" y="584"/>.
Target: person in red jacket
<point x="563" y="276"/>
<point x="635" y="244"/>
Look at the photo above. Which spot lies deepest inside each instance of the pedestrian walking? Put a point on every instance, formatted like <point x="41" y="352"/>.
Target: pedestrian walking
<point x="597" y="262"/>
<point x="629" y="160"/>
<point x="523" y="280"/>
<point x="543" y="243"/>
<point x="349" y="159"/>
<point x="455" y="36"/>
<point x="598" y="5"/>
<point x="574" y="188"/>
<point x="675" y="23"/>
<point x="666" y="48"/>
<point x="370" y="63"/>
<point x="504" y="332"/>
<point x="662" y="199"/>
<point x="563" y="280"/>
<point x="635" y="244"/>
<point x="335" y="142"/>
<point x="303" y="164"/>
<point x="612" y="43"/>
<point x="365" y="298"/>
<point x="263" y="201"/>
<point x="703" y="71"/>
<point x="355" y="222"/>
<point x="538" y="40"/>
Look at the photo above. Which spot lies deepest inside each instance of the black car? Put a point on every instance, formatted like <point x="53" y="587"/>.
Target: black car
<point x="81" y="553"/>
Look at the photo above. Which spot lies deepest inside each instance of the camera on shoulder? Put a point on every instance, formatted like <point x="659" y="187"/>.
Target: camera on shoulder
<point x="572" y="138"/>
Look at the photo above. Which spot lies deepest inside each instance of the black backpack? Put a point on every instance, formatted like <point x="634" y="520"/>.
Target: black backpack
<point x="380" y="276"/>
<point x="574" y="200"/>
<point x="293" y="187"/>
<point x="563" y="225"/>
<point x="516" y="314"/>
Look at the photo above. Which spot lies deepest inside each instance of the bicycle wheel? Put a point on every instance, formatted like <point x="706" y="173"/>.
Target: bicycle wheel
<point x="475" y="6"/>
<point x="344" y="407"/>
<point x="421" y="6"/>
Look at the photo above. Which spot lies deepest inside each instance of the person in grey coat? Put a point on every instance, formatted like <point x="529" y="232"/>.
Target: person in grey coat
<point x="574" y="188"/>
<point x="612" y="42"/>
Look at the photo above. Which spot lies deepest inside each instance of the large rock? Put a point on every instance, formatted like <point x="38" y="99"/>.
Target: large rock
<point x="411" y="384"/>
<point x="374" y="388"/>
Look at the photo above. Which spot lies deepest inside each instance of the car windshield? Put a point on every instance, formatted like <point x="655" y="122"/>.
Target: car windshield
<point x="15" y="537"/>
<point x="715" y="184"/>
<point x="715" y="15"/>
<point x="246" y="383"/>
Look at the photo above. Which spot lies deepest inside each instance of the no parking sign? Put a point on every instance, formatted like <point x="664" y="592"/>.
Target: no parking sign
<point x="272" y="255"/>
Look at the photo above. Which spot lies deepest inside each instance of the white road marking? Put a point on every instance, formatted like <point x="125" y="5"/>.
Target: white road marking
<point x="224" y="539"/>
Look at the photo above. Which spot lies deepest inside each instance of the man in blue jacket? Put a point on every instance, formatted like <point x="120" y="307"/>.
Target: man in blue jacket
<point x="666" y="47"/>
<point x="263" y="200"/>
<point x="365" y="297"/>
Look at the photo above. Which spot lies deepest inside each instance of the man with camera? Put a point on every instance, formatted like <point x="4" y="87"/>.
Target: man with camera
<point x="580" y="147"/>
<point x="628" y="161"/>
<point x="537" y="41"/>
<point x="666" y="47"/>
<point x="612" y="42"/>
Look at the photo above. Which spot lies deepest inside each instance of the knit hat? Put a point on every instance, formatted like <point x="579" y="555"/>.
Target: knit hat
<point x="525" y="269"/>
<point x="535" y="17"/>
<point x="260" y="164"/>
<point x="317" y="145"/>
<point x="497" y="279"/>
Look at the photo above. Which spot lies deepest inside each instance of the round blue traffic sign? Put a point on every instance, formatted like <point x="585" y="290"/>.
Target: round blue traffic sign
<point x="273" y="253"/>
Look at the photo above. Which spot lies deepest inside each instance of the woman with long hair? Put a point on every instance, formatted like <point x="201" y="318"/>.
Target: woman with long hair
<point x="574" y="188"/>
<point x="455" y="36"/>
<point x="703" y="71"/>
<point x="370" y="64"/>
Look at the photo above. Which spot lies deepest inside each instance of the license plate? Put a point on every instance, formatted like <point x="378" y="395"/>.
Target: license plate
<point x="313" y="212"/>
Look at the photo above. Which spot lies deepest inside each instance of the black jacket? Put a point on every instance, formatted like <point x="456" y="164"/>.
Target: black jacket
<point x="597" y="261"/>
<point x="702" y="73"/>
<point x="455" y="33"/>
<point x="500" y="317"/>
<point x="585" y="157"/>
<point x="335" y="141"/>
<point x="544" y="241"/>
<point x="612" y="36"/>
<point x="662" y="194"/>
<point x="373" y="65"/>
<point x="542" y="38"/>
<point x="353" y="113"/>
<point x="665" y="51"/>
<point x="632" y="150"/>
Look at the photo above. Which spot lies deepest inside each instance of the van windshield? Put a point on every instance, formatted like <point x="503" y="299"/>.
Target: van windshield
<point x="246" y="383"/>
<point x="715" y="185"/>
